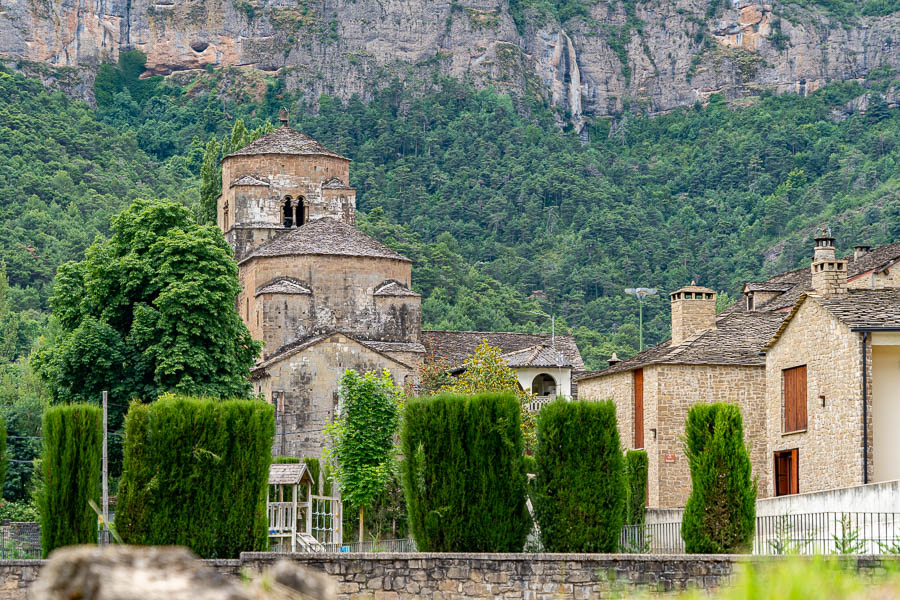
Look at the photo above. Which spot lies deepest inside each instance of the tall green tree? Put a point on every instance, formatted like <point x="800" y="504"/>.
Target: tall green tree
<point x="720" y="514"/>
<point x="149" y="310"/>
<point x="70" y="465"/>
<point x="363" y="447"/>
<point x="579" y="492"/>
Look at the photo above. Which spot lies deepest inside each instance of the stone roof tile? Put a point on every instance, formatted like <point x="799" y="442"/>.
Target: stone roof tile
<point x="456" y="346"/>
<point x="285" y="140"/>
<point x="541" y="356"/>
<point x="865" y="309"/>
<point x="324" y="236"/>
<point x="250" y="180"/>
<point x="283" y="285"/>
<point x="393" y="288"/>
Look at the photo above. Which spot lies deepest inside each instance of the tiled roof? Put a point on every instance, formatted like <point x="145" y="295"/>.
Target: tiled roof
<point x="456" y="346"/>
<point x="283" y="285"/>
<point x="293" y="348"/>
<point x="393" y="288"/>
<point x="877" y="259"/>
<point x="766" y="286"/>
<point x="335" y="184"/>
<point x="738" y="339"/>
<point x="541" y="356"/>
<point x="324" y="236"/>
<point x="865" y="309"/>
<point x="285" y="140"/>
<point x="249" y="180"/>
<point x="393" y="346"/>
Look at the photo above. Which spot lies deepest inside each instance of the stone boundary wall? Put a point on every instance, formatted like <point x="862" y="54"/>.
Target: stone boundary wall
<point x="389" y="576"/>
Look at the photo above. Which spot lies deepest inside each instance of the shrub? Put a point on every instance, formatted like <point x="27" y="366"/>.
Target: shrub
<point x="195" y="474"/>
<point x="635" y="486"/>
<point x="463" y="474"/>
<point x="720" y="513"/>
<point x="73" y="439"/>
<point x="579" y="499"/>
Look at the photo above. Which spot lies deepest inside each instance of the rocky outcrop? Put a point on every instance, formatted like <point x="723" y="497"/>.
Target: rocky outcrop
<point x="659" y="55"/>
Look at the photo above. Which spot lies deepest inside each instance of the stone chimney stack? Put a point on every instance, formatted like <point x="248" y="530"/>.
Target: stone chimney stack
<point x="613" y="360"/>
<point x="860" y="250"/>
<point x="693" y="311"/>
<point x="829" y="274"/>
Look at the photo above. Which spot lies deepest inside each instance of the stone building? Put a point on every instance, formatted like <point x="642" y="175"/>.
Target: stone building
<point x="745" y="354"/>
<point x="322" y="296"/>
<point x="545" y="365"/>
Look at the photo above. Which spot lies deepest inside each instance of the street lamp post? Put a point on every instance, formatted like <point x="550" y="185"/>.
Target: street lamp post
<point x="640" y="294"/>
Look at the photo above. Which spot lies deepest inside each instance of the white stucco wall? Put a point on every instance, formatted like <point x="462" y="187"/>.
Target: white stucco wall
<point x="885" y="411"/>
<point x="563" y="378"/>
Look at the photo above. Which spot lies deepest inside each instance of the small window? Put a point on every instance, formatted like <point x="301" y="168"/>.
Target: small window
<point x="749" y="301"/>
<point x="787" y="480"/>
<point x="794" y="394"/>
<point x="287" y="212"/>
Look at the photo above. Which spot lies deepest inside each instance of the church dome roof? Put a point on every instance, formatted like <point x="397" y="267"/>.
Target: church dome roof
<point x="325" y="237"/>
<point x="285" y="140"/>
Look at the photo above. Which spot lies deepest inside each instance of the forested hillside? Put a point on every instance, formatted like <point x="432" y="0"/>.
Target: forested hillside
<point x="503" y="213"/>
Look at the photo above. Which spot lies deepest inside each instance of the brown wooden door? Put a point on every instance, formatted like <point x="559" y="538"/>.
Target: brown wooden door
<point x="638" y="408"/>
<point x="795" y="399"/>
<point x="787" y="472"/>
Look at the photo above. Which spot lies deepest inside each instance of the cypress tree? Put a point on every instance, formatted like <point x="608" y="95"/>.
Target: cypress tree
<point x="720" y="514"/>
<point x="73" y="438"/>
<point x="463" y="474"/>
<point x="636" y="465"/>
<point x="579" y="498"/>
<point x="195" y="474"/>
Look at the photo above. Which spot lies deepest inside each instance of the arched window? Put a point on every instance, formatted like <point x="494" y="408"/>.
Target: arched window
<point x="288" y="212"/>
<point x="301" y="210"/>
<point x="543" y="385"/>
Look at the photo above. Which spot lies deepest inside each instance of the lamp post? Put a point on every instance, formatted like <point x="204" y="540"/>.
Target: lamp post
<point x="640" y="294"/>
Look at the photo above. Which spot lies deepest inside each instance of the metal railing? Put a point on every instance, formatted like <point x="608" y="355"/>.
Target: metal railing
<point x="20" y="540"/>
<point x="404" y="545"/>
<point x="808" y="533"/>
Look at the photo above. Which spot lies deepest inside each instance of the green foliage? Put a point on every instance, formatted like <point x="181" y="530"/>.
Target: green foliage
<point x="196" y="471"/>
<point x="363" y="450"/>
<point x="579" y="499"/>
<point x="636" y="465"/>
<point x="21" y="406"/>
<point x="720" y="514"/>
<point x="114" y="79"/>
<point x="73" y="438"/>
<point x="463" y="474"/>
<point x="148" y="311"/>
<point x="19" y="512"/>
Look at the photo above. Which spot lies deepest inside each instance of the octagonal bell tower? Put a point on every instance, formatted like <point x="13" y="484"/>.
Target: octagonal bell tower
<point x="279" y="182"/>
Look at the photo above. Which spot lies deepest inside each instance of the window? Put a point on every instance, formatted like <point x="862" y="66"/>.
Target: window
<point x="749" y="301"/>
<point x="638" y="408"/>
<point x="787" y="480"/>
<point x="794" y="395"/>
<point x="301" y="212"/>
<point x="288" y="212"/>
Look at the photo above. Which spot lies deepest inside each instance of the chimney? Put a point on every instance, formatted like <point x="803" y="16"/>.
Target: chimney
<point x="613" y="360"/>
<point x="693" y="311"/>
<point x="860" y="250"/>
<point x="829" y="274"/>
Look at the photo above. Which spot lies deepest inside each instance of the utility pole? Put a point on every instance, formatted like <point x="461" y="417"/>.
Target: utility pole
<point x="105" y="535"/>
<point x="640" y="294"/>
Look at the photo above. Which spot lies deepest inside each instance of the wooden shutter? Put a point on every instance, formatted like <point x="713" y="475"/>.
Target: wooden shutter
<point x="795" y="399"/>
<point x="638" y="408"/>
<point x="787" y="471"/>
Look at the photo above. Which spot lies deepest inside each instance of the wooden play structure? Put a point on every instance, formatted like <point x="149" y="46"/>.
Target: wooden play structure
<point x="299" y="520"/>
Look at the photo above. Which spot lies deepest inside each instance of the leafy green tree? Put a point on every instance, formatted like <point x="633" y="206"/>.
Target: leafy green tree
<point x="362" y="436"/>
<point x="579" y="497"/>
<point x="463" y="473"/>
<point x="148" y="311"/>
<point x="70" y="464"/>
<point x="720" y="514"/>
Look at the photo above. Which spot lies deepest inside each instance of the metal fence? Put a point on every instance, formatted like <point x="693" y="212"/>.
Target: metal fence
<point x="20" y="540"/>
<point x="405" y="545"/>
<point x="809" y="533"/>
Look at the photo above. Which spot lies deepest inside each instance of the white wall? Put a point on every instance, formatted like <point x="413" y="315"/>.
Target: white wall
<point x="563" y="378"/>
<point x="886" y="412"/>
<point x="875" y="497"/>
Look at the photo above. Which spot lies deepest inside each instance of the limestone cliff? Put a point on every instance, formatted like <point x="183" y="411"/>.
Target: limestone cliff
<point x="658" y="54"/>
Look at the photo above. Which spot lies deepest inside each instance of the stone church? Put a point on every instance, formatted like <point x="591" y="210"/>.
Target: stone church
<point x="324" y="297"/>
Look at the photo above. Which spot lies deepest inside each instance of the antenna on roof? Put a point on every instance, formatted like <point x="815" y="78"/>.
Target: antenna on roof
<point x="283" y="117"/>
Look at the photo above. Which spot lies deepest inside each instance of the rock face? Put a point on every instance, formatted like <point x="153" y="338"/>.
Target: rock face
<point x="661" y="55"/>
<point x="166" y="573"/>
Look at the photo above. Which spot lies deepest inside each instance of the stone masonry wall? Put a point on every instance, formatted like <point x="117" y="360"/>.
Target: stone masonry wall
<point x="830" y="449"/>
<point x="669" y="391"/>
<point x="677" y="388"/>
<point x="691" y="316"/>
